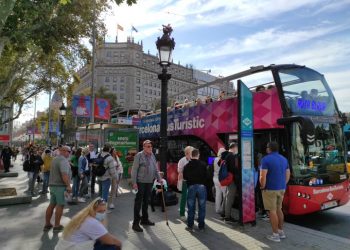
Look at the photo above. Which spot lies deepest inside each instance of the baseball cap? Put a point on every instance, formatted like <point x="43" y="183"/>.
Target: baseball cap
<point x="232" y="144"/>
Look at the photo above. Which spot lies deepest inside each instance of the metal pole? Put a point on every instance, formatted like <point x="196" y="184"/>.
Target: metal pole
<point x="49" y="116"/>
<point x="92" y="118"/>
<point x="62" y="130"/>
<point x="163" y="147"/>
<point x="34" y="125"/>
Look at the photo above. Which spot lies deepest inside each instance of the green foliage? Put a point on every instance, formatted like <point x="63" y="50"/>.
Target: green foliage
<point x="41" y="45"/>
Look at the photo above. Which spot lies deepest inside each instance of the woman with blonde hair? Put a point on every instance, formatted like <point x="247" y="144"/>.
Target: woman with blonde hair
<point x="87" y="230"/>
<point x="219" y="190"/>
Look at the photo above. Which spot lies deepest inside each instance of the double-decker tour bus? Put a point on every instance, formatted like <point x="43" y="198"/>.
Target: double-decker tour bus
<point x="296" y="108"/>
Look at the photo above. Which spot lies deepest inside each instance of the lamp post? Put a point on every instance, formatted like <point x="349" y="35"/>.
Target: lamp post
<point x="63" y="111"/>
<point x="165" y="46"/>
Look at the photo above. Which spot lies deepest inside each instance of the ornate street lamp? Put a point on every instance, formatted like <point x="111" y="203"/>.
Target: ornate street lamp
<point x="63" y="111"/>
<point x="165" y="46"/>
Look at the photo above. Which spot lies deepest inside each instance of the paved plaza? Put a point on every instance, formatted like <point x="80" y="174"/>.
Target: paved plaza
<point x="21" y="227"/>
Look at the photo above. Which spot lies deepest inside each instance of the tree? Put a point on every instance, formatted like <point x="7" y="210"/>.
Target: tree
<point x="42" y="46"/>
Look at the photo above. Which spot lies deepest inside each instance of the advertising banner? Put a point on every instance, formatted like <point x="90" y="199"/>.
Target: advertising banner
<point x="246" y="140"/>
<point x="126" y="144"/>
<point x="81" y="106"/>
<point x="102" y="109"/>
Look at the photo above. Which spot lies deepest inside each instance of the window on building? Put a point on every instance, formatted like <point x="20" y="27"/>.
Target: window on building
<point x="138" y="97"/>
<point x="107" y="79"/>
<point x="138" y="89"/>
<point x="109" y="54"/>
<point x="122" y="87"/>
<point x="115" y="87"/>
<point x="121" y="96"/>
<point x="115" y="79"/>
<point x="122" y="79"/>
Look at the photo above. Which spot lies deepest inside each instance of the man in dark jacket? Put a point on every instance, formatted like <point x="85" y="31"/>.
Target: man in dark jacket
<point x="232" y="166"/>
<point x="195" y="173"/>
<point x="6" y="158"/>
<point x="35" y="162"/>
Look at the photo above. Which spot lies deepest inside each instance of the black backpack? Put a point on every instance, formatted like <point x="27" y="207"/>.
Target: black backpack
<point x="98" y="167"/>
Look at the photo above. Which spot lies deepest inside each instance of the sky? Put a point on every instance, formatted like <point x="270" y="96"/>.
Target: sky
<point x="230" y="36"/>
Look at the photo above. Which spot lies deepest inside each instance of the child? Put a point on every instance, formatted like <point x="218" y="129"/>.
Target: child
<point x="157" y="191"/>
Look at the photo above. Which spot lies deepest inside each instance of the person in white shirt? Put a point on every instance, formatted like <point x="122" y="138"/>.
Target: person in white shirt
<point x="220" y="191"/>
<point x="181" y="164"/>
<point x="87" y="230"/>
<point x="181" y="185"/>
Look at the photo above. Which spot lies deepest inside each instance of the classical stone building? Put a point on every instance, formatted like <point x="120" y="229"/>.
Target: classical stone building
<point x="132" y="75"/>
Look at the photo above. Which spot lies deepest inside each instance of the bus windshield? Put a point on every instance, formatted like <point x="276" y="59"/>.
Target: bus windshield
<point x="306" y="92"/>
<point x="324" y="159"/>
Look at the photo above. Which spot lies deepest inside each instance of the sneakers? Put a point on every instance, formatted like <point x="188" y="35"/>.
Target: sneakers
<point x="147" y="223"/>
<point x="47" y="228"/>
<point x="282" y="234"/>
<point x="58" y="229"/>
<point x="111" y="206"/>
<point x="189" y="229"/>
<point x="81" y="200"/>
<point x="137" y="228"/>
<point x="265" y="217"/>
<point x="274" y="237"/>
<point x="201" y="229"/>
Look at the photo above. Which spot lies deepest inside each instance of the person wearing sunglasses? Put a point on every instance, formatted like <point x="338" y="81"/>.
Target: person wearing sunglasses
<point x="87" y="230"/>
<point x="59" y="183"/>
<point x="144" y="171"/>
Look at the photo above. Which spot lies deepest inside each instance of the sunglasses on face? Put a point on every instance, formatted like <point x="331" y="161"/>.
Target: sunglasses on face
<point x="149" y="146"/>
<point x="100" y="201"/>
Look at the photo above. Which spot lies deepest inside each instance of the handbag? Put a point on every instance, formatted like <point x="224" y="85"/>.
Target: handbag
<point x="26" y="166"/>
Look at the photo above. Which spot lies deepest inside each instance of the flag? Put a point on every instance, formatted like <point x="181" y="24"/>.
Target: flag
<point x="134" y="29"/>
<point x="119" y="27"/>
<point x="102" y="109"/>
<point x="58" y="128"/>
<point x="50" y="126"/>
<point x="43" y="127"/>
<point x="81" y="106"/>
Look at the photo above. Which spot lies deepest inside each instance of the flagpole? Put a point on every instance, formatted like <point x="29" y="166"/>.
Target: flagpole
<point x="92" y="118"/>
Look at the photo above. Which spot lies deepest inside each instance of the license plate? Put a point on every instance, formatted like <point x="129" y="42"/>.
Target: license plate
<point x="329" y="204"/>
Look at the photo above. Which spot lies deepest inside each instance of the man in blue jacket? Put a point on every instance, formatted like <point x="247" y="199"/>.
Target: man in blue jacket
<point x="274" y="176"/>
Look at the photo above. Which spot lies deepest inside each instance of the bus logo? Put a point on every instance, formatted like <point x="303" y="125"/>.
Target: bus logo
<point x="247" y="121"/>
<point x="330" y="196"/>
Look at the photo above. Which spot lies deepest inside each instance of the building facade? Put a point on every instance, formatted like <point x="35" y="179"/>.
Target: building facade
<point x="132" y="75"/>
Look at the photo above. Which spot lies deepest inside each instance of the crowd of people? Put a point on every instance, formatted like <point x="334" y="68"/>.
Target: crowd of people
<point x="69" y="175"/>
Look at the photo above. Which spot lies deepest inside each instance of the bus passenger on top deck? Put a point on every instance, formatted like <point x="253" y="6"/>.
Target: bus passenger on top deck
<point x="208" y="99"/>
<point x="259" y="88"/>
<point x="186" y="103"/>
<point x="313" y="93"/>
<point x="304" y="95"/>
<point x="199" y="101"/>
<point x="221" y="96"/>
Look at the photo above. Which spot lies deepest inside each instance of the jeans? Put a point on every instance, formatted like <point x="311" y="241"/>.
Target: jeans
<point x="46" y="181"/>
<point x="75" y="188"/>
<point x="199" y="191"/>
<point x="84" y="187"/>
<point x="141" y="199"/>
<point x="105" y="185"/>
<point x="220" y="193"/>
<point x="32" y="179"/>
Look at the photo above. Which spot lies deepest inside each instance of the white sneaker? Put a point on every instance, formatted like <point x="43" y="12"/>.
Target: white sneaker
<point x="274" y="237"/>
<point x="81" y="199"/>
<point x="111" y="206"/>
<point x="282" y="234"/>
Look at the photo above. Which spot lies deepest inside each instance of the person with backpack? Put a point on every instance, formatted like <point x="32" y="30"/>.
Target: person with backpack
<point x="220" y="191"/>
<point x="105" y="170"/>
<point x="231" y="162"/>
<point x="91" y="156"/>
<point x="47" y="159"/>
